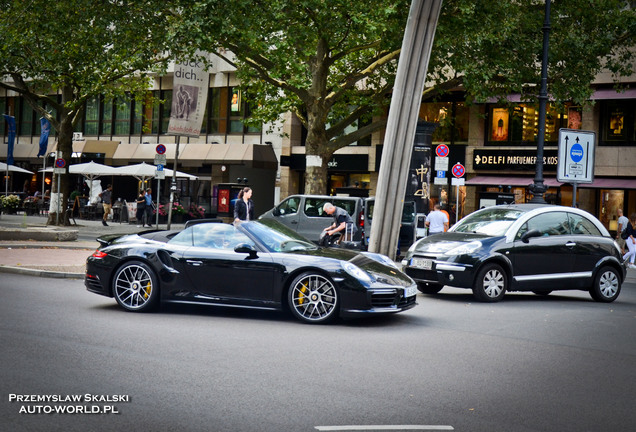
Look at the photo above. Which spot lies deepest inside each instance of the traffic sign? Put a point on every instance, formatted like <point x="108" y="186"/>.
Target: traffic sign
<point x="441" y="163"/>
<point x="459" y="170"/>
<point x="160" y="159"/>
<point x="441" y="174"/>
<point x="576" y="156"/>
<point x="161" y="149"/>
<point x="60" y="163"/>
<point x="442" y="150"/>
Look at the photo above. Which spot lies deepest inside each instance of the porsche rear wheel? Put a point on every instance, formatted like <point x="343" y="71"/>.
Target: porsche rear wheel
<point x="135" y="287"/>
<point x="313" y="298"/>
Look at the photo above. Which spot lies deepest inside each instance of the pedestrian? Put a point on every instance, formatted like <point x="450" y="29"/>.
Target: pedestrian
<point x="148" y="208"/>
<point x="436" y="221"/>
<point x="630" y="241"/>
<point x="244" y="207"/>
<point x="622" y="225"/>
<point x="342" y="223"/>
<point x="107" y="202"/>
<point x="141" y="209"/>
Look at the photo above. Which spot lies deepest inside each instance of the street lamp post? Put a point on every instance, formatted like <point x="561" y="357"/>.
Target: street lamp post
<point x="538" y="188"/>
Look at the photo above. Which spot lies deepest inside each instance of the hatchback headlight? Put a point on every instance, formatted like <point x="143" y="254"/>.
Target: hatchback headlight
<point x="464" y="249"/>
<point x="356" y="272"/>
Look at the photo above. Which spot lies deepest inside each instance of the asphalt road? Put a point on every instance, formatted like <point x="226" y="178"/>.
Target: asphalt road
<point x="559" y="363"/>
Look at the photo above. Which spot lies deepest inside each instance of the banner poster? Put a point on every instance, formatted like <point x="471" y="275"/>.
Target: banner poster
<point x="10" y="137"/>
<point x="45" y="128"/>
<point x="189" y="97"/>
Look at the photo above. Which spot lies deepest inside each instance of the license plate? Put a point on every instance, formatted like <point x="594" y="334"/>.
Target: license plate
<point x="410" y="291"/>
<point x="423" y="263"/>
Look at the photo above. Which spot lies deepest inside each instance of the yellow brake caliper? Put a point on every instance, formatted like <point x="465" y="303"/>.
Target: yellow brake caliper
<point x="147" y="290"/>
<point x="301" y="296"/>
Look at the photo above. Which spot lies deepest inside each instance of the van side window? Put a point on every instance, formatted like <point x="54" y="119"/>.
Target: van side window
<point x="348" y="205"/>
<point x="313" y="207"/>
<point x="289" y="206"/>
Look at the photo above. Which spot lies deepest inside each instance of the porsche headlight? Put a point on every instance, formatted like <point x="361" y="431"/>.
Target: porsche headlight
<point x="356" y="272"/>
<point x="464" y="249"/>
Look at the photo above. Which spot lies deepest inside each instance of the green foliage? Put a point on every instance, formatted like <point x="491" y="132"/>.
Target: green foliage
<point x="82" y="48"/>
<point x="333" y="62"/>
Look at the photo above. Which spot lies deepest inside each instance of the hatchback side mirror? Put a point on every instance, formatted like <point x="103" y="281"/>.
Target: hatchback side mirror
<point x="528" y="235"/>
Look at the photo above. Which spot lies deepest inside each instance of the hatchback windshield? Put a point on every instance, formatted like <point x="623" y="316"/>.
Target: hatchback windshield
<point x="493" y="221"/>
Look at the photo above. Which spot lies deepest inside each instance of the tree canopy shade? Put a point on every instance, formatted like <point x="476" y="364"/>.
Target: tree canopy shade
<point x="60" y="54"/>
<point x="333" y="62"/>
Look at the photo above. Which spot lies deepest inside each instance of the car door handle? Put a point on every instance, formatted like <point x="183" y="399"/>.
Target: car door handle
<point x="570" y="244"/>
<point x="194" y="262"/>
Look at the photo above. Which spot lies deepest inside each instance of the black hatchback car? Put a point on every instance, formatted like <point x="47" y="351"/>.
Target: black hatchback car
<point x="523" y="247"/>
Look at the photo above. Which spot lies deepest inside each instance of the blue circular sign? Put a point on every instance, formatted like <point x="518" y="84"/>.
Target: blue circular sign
<point x="577" y="153"/>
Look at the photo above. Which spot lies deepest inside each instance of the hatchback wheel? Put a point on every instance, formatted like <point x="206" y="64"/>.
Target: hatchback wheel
<point x="135" y="287"/>
<point x="606" y="286"/>
<point x="313" y="298"/>
<point x="491" y="283"/>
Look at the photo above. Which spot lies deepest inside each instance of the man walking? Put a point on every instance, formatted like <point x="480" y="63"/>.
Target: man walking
<point x="107" y="202"/>
<point x="436" y="221"/>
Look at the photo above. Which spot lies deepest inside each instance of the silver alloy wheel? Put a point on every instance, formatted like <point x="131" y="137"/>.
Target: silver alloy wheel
<point x="608" y="284"/>
<point x="133" y="287"/>
<point x="493" y="283"/>
<point x="313" y="298"/>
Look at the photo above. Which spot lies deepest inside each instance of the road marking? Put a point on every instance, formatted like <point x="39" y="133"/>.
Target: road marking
<point x="384" y="427"/>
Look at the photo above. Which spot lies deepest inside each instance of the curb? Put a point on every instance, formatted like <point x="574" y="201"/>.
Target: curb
<point x="40" y="273"/>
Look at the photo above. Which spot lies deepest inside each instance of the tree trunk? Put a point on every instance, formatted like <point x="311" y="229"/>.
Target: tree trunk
<point x="65" y="146"/>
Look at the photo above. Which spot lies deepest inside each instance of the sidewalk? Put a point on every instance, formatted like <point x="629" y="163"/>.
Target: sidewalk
<point x="59" y="259"/>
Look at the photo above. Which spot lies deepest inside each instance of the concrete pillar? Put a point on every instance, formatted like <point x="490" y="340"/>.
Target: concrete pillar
<point x="402" y="122"/>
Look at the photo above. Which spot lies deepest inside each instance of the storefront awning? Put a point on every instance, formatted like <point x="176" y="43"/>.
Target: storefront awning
<point x="599" y="183"/>
<point x="107" y="148"/>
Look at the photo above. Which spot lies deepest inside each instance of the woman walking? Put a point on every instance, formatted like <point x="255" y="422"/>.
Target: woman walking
<point x="630" y="241"/>
<point x="244" y="207"/>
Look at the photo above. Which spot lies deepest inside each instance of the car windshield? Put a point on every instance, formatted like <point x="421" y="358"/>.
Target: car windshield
<point x="493" y="221"/>
<point x="276" y="237"/>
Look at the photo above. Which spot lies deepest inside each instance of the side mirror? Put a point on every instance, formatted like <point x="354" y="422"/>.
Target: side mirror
<point x="246" y="248"/>
<point x="528" y="235"/>
<point x="277" y="211"/>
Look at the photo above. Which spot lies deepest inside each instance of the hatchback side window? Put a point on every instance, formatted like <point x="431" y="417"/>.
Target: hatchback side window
<point x="548" y="224"/>
<point x="582" y="225"/>
<point x="289" y="206"/>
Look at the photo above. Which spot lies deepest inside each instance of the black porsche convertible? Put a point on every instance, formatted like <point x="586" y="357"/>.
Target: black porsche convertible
<point x="256" y="264"/>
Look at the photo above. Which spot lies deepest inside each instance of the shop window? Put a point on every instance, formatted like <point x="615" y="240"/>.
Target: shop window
<point x="520" y="124"/>
<point x="25" y="122"/>
<point x="138" y="116"/>
<point x="452" y="117"/>
<point x="123" y="109"/>
<point x="166" y="109"/>
<point x="107" y="117"/>
<point x="91" y="116"/>
<point x="617" y="122"/>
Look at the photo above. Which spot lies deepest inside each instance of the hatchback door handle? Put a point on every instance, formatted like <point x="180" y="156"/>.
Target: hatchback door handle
<point x="194" y="262"/>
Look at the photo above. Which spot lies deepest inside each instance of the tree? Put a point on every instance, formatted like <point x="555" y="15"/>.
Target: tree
<point x="58" y="55"/>
<point x="332" y="63"/>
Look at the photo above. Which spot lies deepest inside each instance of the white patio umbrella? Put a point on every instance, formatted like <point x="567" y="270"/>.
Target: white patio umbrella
<point x="143" y="171"/>
<point x="13" y="168"/>
<point x="91" y="170"/>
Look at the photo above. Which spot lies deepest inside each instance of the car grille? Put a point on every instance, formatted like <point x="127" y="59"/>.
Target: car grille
<point x="388" y="299"/>
<point x="93" y="284"/>
<point x="383" y="300"/>
<point x="419" y="274"/>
